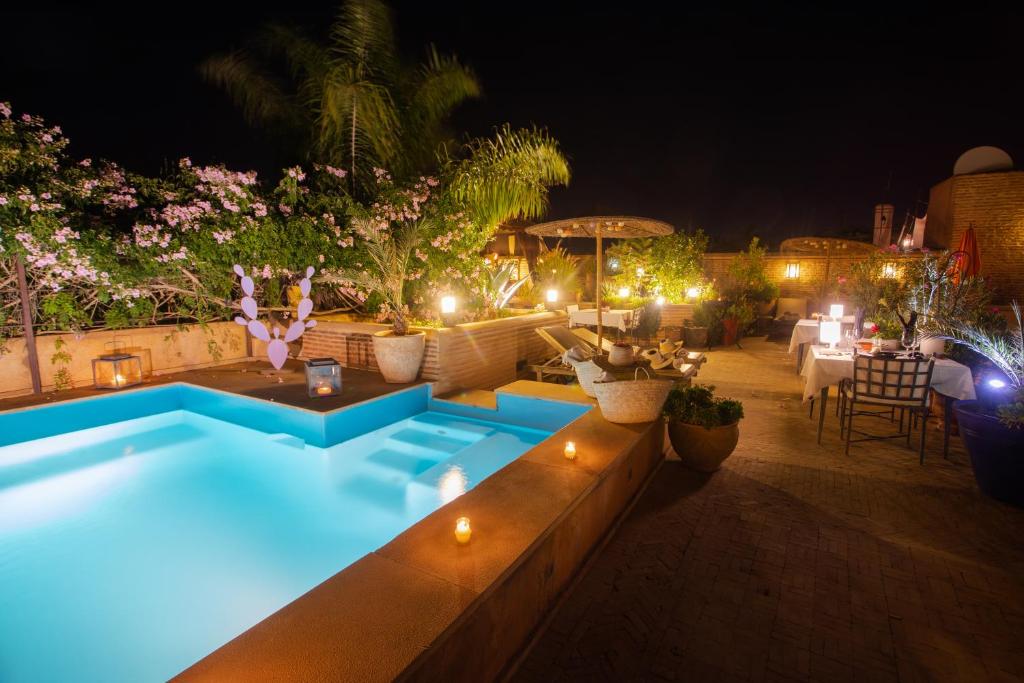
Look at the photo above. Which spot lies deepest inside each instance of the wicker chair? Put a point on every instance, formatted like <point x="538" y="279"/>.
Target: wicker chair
<point x="889" y="384"/>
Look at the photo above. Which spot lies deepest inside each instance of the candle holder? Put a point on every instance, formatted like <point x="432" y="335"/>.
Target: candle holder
<point x="463" y="531"/>
<point x="570" y="450"/>
<point x="116" y="371"/>
<point x="323" y="377"/>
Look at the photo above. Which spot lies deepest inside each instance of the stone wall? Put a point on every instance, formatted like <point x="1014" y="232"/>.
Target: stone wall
<point x="163" y="349"/>
<point x="994" y="204"/>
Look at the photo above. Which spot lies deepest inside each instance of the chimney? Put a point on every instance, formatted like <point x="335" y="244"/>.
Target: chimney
<point x="883" y="225"/>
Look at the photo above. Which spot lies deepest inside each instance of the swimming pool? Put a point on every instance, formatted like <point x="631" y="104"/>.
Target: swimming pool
<point x="142" y="530"/>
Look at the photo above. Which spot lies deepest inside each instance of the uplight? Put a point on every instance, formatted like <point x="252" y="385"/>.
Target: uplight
<point x="623" y="292"/>
<point x="996" y="383"/>
<point x="448" y="304"/>
<point x="660" y="301"/>
<point x="552" y="296"/>
<point x="693" y="292"/>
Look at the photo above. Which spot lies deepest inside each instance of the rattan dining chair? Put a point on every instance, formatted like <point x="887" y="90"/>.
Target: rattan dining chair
<point x="896" y="383"/>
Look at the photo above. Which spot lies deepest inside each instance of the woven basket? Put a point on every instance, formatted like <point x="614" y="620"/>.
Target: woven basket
<point x="629" y="401"/>
<point x="586" y="372"/>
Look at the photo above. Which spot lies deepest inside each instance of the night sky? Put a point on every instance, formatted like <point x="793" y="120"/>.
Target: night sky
<point x="776" y="122"/>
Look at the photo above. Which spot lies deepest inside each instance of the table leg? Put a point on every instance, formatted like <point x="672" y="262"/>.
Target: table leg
<point x="947" y="414"/>
<point x="821" y="411"/>
<point x="799" y="357"/>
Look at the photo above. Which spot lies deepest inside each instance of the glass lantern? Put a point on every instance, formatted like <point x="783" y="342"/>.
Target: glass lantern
<point x="116" y="371"/>
<point x="323" y="377"/>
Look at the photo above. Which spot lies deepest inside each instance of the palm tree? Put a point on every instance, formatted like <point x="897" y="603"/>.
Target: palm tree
<point x="351" y="103"/>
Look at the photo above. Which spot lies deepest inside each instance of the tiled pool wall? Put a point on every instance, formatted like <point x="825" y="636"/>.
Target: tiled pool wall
<point x="315" y="428"/>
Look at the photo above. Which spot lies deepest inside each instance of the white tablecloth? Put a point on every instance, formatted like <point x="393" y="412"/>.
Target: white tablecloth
<point x="822" y="369"/>
<point x="806" y="331"/>
<point x="620" y="318"/>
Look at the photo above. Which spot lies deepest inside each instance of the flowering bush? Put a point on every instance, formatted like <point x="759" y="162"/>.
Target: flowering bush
<point x="103" y="247"/>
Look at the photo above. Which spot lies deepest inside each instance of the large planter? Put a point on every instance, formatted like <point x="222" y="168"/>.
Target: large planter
<point x="730" y="331"/>
<point x="399" y="357"/>
<point x="997" y="453"/>
<point x="695" y="337"/>
<point x="933" y="345"/>
<point x="703" y="449"/>
<point x="621" y="355"/>
<point x="889" y="344"/>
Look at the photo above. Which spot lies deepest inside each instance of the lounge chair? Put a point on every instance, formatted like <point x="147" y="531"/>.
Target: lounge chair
<point x="694" y="357"/>
<point x="561" y="339"/>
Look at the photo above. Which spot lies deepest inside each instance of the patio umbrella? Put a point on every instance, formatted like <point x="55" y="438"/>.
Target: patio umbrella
<point x="968" y="256"/>
<point x="599" y="227"/>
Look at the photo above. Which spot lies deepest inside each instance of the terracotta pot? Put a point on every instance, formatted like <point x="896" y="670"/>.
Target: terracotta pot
<point x="621" y="355"/>
<point x="399" y="358"/>
<point x="730" y="331"/>
<point x="703" y="449"/>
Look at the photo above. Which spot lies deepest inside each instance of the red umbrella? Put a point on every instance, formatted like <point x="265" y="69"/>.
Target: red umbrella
<point x="968" y="257"/>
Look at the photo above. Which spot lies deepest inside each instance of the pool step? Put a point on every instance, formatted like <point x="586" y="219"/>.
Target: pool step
<point x="447" y="443"/>
<point x="403" y="462"/>
<point x="451" y="425"/>
<point x="287" y="440"/>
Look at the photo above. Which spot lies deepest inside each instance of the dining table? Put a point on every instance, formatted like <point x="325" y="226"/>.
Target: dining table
<point x="806" y="332"/>
<point x="622" y="318"/>
<point x="826" y="367"/>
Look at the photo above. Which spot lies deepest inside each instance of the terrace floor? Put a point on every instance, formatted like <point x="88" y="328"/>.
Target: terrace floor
<point x="250" y="379"/>
<point x="797" y="563"/>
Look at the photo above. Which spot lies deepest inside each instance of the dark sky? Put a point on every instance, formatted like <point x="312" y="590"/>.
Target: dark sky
<point x="777" y="122"/>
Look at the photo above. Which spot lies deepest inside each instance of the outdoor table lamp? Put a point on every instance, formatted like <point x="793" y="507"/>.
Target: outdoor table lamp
<point x="829" y="332"/>
<point x="836" y="311"/>
<point x="116" y="371"/>
<point x="323" y="377"/>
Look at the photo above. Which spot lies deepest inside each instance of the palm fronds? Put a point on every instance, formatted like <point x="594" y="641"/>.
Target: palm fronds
<point x="508" y="175"/>
<point x="1006" y="351"/>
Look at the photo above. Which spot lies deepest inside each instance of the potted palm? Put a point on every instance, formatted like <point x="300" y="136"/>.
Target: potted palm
<point x="398" y="351"/>
<point x="992" y="429"/>
<point x="703" y="428"/>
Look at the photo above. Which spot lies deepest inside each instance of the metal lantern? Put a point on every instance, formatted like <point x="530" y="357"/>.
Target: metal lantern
<point x="323" y="377"/>
<point x="116" y="371"/>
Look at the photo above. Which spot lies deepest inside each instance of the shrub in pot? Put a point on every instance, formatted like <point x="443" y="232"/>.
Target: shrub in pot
<point x="398" y="351"/>
<point x="702" y="427"/>
<point x="992" y="429"/>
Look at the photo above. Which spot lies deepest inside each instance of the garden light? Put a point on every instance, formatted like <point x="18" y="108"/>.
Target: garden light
<point x="792" y="271"/>
<point x="693" y="292"/>
<point x="552" y="296"/>
<point x="660" y="301"/>
<point x="448" y="304"/>
<point x="623" y="292"/>
<point x="889" y="270"/>
<point x="996" y="383"/>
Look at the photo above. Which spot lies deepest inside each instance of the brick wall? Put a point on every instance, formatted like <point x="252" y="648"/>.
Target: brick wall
<point x="994" y="204"/>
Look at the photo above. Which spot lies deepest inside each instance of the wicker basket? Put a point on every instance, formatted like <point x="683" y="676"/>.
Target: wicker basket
<point x="635" y="400"/>
<point x="586" y="372"/>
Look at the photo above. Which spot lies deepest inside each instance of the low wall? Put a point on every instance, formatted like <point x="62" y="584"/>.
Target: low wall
<point x="163" y="349"/>
<point x="480" y="355"/>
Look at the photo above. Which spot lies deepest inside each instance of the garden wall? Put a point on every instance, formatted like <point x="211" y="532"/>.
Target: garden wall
<point x="479" y="355"/>
<point x="163" y="349"/>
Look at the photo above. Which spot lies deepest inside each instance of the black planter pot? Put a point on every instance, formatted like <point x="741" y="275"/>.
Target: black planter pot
<point x="695" y="337"/>
<point x="997" y="453"/>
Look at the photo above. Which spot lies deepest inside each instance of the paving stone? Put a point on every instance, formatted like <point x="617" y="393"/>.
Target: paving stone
<point x="797" y="563"/>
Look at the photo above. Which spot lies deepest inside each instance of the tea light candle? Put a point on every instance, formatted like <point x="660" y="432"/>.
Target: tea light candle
<point x="570" y="450"/>
<point x="118" y="379"/>
<point x="323" y="389"/>
<point x="462" y="530"/>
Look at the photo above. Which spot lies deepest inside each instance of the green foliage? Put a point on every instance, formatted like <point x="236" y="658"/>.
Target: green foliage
<point x="351" y="102"/>
<point x="558" y="269"/>
<point x="1005" y="350"/>
<point x="747" y="276"/>
<point x="61" y="358"/>
<point x="677" y="263"/>
<point x="1012" y="414"/>
<point x="501" y="285"/>
<point x="698" y="405"/>
<point x="886" y="326"/>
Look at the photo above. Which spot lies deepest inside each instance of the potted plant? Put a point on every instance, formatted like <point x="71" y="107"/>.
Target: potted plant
<point x="398" y="351"/>
<point x="886" y="332"/>
<point x="696" y="331"/>
<point x="702" y="427"/>
<point x="621" y="353"/>
<point x="992" y="428"/>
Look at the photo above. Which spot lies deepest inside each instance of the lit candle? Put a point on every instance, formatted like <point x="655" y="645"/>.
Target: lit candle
<point x="118" y="380"/>
<point x="462" y="530"/>
<point x="570" y="450"/>
<point x="323" y="389"/>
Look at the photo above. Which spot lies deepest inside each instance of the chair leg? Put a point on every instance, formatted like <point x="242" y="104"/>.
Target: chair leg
<point x="849" y="429"/>
<point x="810" y="412"/>
<point x="924" y="432"/>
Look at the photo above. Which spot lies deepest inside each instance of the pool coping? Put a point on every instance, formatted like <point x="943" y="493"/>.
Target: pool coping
<point x="422" y="606"/>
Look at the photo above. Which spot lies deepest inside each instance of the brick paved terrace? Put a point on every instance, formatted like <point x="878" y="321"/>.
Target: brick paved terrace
<point x="796" y="563"/>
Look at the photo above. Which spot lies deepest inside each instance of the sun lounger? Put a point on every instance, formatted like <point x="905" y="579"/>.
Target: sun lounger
<point x="694" y="357"/>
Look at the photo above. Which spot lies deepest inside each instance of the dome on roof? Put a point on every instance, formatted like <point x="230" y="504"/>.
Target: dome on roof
<point x="983" y="160"/>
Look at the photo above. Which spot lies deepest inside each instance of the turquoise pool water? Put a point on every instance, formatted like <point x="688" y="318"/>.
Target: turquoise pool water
<point x="141" y="531"/>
